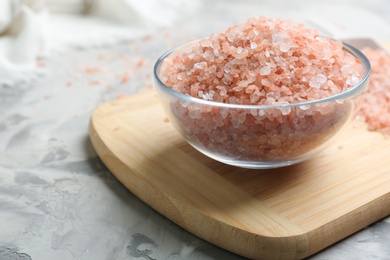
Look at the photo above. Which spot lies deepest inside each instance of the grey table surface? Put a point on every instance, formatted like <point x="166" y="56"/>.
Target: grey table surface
<point x="59" y="201"/>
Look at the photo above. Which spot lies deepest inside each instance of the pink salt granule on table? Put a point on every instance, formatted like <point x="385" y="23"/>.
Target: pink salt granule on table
<point x="376" y="102"/>
<point x="263" y="61"/>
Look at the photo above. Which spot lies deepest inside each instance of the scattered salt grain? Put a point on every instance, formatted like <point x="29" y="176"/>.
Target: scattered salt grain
<point x="375" y="109"/>
<point x="92" y="70"/>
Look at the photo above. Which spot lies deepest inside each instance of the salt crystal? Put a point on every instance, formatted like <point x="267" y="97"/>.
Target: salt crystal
<point x="266" y="70"/>
<point x="251" y="79"/>
<point x="184" y="102"/>
<point x="235" y="72"/>
<point x="277" y="39"/>
<point x="250" y="89"/>
<point x="213" y="69"/>
<point x="205" y="43"/>
<point x="232" y="100"/>
<point x="224" y="112"/>
<point x="314" y="83"/>
<point x="225" y="47"/>
<point x="261" y="112"/>
<point x="223" y="92"/>
<point x="300" y="113"/>
<point x="255" y="96"/>
<point x="219" y="59"/>
<point x="265" y="42"/>
<point x="191" y="56"/>
<point x="242" y="117"/>
<point x="189" y="72"/>
<point x="284" y="47"/>
<point x="273" y="95"/>
<point x="253" y="112"/>
<point x="345" y="70"/>
<point x="240" y="54"/>
<point x="232" y="50"/>
<point x="285" y="110"/>
<point x="304" y="107"/>
<point x="230" y="37"/>
<point x="194" y="114"/>
<point x="228" y="77"/>
<point x="321" y="78"/>
<point x="200" y="65"/>
<point x="215" y="45"/>
<point x="242" y="83"/>
<point x="237" y="89"/>
<point x="209" y="96"/>
<point x="273" y="64"/>
<point x="306" y="69"/>
<point x="266" y="82"/>
<point x="226" y="68"/>
<point x="253" y="45"/>
<point x="354" y="80"/>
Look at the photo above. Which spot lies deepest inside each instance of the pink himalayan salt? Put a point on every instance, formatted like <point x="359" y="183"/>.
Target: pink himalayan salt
<point x="269" y="54"/>
<point x="262" y="62"/>
<point x="376" y="102"/>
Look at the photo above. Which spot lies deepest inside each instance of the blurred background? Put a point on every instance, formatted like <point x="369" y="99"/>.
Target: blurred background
<point x="52" y="25"/>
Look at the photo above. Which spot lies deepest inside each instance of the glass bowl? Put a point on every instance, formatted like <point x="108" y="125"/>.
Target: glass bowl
<point x="260" y="136"/>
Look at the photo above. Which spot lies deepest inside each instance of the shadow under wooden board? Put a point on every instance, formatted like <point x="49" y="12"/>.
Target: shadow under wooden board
<point x="285" y="213"/>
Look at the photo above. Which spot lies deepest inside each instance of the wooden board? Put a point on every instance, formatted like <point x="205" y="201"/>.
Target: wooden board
<point x="285" y="213"/>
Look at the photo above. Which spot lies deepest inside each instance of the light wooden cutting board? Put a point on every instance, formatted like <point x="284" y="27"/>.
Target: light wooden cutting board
<point x="285" y="213"/>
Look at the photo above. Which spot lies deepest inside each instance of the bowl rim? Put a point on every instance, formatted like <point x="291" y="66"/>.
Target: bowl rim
<point x="343" y="95"/>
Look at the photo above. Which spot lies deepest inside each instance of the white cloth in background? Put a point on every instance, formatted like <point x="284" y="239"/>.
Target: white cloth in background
<point x="146" y="13"/>
<point x="22" y="39"/>
<point x="111" y="21"/>
<point x="8" y="10"/>
<point x="20" y="42"/>
<point x="27" y="30"/>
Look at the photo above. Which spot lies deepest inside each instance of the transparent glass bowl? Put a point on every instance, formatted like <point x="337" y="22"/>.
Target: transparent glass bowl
<point x="260" y="137"/>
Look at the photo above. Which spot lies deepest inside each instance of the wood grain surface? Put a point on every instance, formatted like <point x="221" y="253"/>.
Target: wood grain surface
<point x="285" y="213"/>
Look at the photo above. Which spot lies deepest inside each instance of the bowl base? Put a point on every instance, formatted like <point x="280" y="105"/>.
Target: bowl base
<point x="251" y="164"/>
